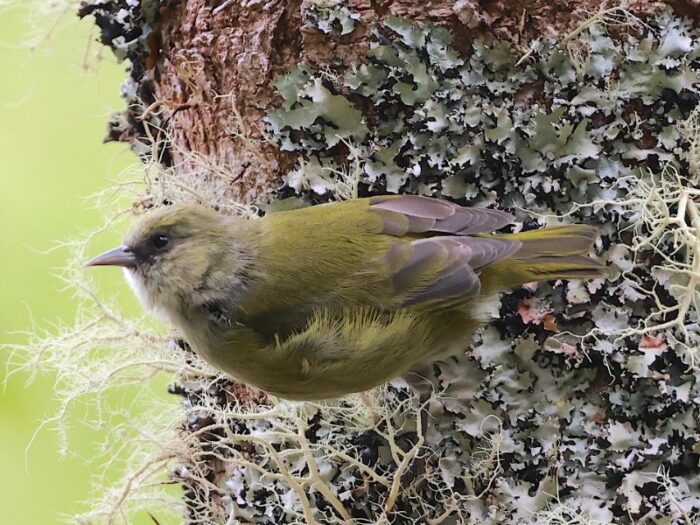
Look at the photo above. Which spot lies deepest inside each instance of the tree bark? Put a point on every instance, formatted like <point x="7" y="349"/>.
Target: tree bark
<point x="202" y="63"/>
<point x="552" y="415"/>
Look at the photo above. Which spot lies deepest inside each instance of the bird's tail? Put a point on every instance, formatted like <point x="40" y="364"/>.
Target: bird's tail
<point x="548" y="254"/>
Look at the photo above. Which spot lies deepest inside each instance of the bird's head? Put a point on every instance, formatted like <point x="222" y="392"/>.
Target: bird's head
<point x="171" y="256"/>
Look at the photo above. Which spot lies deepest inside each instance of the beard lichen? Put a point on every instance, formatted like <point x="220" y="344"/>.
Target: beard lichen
<point x="578" y="403"/>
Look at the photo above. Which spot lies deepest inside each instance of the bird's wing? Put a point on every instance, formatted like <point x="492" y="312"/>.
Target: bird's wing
<point x="441" y="269"/>
<point x="383" y="252"/>
<point x="406" y="214"/>
<point x="438" y="268"/>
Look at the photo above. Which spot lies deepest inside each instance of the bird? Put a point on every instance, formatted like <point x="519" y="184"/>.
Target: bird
<point x="337" y="298"/>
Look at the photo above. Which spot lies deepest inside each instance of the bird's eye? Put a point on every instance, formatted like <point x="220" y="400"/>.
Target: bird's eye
<point x="160" y="241"/>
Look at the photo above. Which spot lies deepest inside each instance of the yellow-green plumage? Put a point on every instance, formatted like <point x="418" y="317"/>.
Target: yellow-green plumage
<point x="338" y="298"/>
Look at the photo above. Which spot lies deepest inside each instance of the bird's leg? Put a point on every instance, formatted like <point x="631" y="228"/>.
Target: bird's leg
<point x="422" y="379"/>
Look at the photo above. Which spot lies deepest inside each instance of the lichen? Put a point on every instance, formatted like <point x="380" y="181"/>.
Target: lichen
<point x="578" y="403"/>
<point x="331" y="17"/>
<point x="593" y="384"/>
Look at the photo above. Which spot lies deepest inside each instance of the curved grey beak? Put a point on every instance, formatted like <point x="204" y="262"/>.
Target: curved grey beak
<point x="121" y="256"/>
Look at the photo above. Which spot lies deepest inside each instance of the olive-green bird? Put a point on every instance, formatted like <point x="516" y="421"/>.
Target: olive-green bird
<point x="337" y="298"/>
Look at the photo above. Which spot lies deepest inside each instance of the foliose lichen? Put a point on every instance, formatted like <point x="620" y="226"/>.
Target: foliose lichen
<point x="331" y="17"/>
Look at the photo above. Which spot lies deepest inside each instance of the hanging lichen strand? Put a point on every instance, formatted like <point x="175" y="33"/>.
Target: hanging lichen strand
<point x="579" y="403"/>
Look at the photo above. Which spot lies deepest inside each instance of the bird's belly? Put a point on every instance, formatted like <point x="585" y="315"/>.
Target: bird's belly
<point x="308" y="378"/>
<point x="331" y="358"/>
<point x="306" y="381"/>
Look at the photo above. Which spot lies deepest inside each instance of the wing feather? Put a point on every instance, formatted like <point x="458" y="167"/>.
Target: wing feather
<point x="425" y="214"/>
<point x="414" y="205"/>
<point x="442" y="267"/>
<point x="415" y="250"/>
<point x="485" y="251"/>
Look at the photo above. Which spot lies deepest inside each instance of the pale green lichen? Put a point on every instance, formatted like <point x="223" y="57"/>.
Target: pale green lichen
<point x="328" y="118"/>
<point x="331" y="17"/>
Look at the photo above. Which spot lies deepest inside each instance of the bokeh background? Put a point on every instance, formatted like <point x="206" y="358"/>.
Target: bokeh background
<point x="56" y="95"/>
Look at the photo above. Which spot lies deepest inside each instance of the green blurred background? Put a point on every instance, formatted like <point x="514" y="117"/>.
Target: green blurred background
<point x="55" y="100"/>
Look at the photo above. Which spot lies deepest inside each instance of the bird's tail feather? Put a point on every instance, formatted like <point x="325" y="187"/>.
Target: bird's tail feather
<point x="548" y="254"/>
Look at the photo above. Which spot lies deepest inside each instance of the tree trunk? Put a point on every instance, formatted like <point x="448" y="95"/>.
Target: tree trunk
<point x="579" y="400"/>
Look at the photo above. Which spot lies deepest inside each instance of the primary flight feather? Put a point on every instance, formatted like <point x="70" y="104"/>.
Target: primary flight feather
<point x="337" y="298"/>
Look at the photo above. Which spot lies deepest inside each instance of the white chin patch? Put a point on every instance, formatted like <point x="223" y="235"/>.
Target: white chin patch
<point x="139" y="288"/>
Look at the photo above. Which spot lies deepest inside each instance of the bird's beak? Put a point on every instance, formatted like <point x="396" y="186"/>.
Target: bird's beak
<point x="121" y="256"/>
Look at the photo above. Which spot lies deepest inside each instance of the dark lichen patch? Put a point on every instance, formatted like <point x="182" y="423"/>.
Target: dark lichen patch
<point x="130" y="30"/>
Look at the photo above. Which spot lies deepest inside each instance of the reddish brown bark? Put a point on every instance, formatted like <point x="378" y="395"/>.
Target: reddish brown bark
<point x="210" y="59"/>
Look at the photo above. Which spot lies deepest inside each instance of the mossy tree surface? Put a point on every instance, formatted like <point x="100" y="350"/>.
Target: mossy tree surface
<point x="579" y="402"/>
